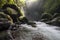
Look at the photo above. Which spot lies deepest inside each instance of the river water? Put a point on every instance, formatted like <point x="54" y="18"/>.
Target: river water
<point x="42" y="31"/>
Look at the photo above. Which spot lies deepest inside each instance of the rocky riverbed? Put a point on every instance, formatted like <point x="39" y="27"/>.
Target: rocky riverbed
<point x="42" y="31"/>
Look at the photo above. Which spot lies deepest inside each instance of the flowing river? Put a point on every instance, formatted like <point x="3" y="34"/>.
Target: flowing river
<point x="42" y="31"/>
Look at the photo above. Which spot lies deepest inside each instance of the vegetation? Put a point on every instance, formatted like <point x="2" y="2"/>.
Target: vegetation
<point x="51" y="5"/>
<point x="11" y="12"/>
<point x="16" y="5"/>
<point x="51" y="12"/>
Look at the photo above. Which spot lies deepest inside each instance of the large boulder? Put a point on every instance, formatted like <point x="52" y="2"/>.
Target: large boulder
<point x="51" y="19"/>
<point x="5" y="16"/>
<point x="46" y="17"/>
<point x="55" y="21"/>
<point x="13" y="13"/>
<point x="5" y="21"/>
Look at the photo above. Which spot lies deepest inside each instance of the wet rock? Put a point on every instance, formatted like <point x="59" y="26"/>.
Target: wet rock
<point x="24" y="20"/>
<point x="51" y="19"/>
<point x="5" y="21"/>
<point x="32" y="23"/>
<point x="55" y="21"/>
<point x="56" y="15"/>
<point x="4" y="25"/>
<point x="46" y="17"/>
<point x="4" y="35"/>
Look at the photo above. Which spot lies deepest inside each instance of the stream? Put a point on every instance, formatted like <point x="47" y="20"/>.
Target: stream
<point x="42" y="31"/>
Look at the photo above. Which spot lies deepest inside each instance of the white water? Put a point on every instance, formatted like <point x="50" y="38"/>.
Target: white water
<point x="41" y="32"/>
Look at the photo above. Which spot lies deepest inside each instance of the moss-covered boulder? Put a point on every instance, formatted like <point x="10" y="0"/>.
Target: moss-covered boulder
<point x="13" y="14"/>
<point x="54" y="21"/>
<point x="13" y="9"/>
<point x="4" y="20"/>
<point x="46" y="17"/>
<point x="4" y="16"/>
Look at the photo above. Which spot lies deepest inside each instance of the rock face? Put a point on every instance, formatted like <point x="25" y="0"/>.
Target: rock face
<point x="6" y="14"/>
<point x="51" y="19"/>
<point x="4" y="25"/>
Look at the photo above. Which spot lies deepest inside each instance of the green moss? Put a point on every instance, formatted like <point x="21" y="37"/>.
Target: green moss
<point x="2" y="2"/>
<point x="51" y="5"/>
<point x="14" y="11"/>
<point x="10" y="2"/>
<point x="5" y="16"/>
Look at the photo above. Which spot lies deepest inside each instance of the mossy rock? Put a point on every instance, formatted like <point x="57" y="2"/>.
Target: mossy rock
<point x="5" y="17"/>
<point x="55" y="21"/>
<point x="56" y="15"/>
<point x="13" y="14"/>
<point x="12" y="11"/>
<point x="46" y="17"/>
